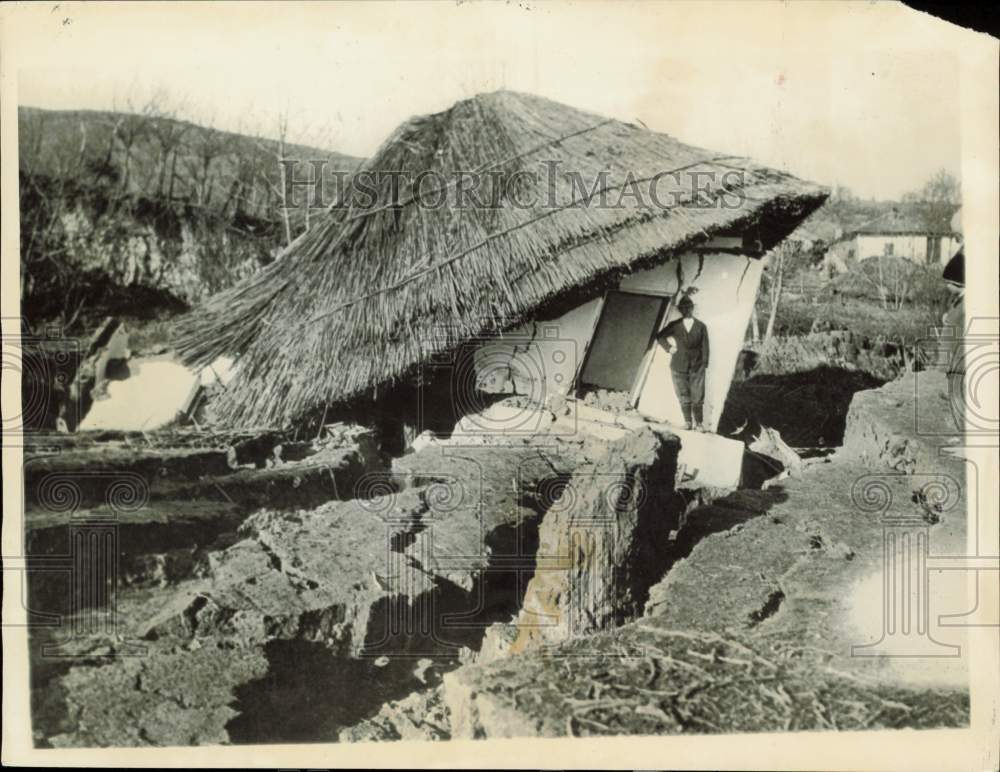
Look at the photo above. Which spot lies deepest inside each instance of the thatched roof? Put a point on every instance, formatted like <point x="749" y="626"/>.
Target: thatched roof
<point x="360" y="300"/>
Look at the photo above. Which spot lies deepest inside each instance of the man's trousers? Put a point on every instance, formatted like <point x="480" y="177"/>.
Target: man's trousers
<point x="690" y="388"/>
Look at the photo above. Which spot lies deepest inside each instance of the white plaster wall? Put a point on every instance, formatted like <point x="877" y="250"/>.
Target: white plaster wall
<point x="912" y="247"/>
<point x="949" y="246"/>
<point x="538" y="359"/>
<point x="724" y="304"/>
<point x="541" y="359"/>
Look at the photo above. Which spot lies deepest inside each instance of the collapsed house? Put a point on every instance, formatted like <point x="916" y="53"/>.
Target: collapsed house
<point x="523" y="308"/>
<point x="508" y="245"/>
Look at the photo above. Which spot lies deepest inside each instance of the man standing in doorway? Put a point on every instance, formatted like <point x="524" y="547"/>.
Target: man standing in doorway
<point x="686" y="339"/>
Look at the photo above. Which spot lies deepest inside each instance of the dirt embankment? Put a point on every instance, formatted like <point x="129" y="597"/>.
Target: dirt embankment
<point x="803" y="386"/>
<point x="411" y="588"/>
<point x="363" y="569"/>
<point x="765" y="619"/>
<point x="122" y="212"/>
<point x="120" y="525"/>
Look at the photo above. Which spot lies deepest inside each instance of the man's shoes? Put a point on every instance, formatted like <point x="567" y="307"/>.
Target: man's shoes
<point x="698" y="427"/>
<point x="688" y="426"/>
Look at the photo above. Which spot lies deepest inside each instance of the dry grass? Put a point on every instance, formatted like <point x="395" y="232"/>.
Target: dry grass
<point x="356" y="303"/>
<point x="797" y="316"/>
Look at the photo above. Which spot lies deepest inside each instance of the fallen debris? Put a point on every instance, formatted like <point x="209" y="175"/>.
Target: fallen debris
<point x="420" y="716"/>
<point x="769" y="443"/>
<point x="649" y="680"/>
<point x="372" y="583"/>
<point x="106" y="350"/>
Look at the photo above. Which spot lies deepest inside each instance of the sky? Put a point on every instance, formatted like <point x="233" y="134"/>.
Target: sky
<point x="860" y="94"/>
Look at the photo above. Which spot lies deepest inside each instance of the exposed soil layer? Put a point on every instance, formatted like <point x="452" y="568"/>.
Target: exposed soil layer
<point x="767" y="614"/>
<point x="601" y="543"/>
<point x="795" y="560"/>
<point x="802" y="385"/>
<point x="377" y="594"/>
<point x="390" y="610"/>
<point x="808" y="408"/>
<point x="120" y="529"/>
<point x="160" y="509"/>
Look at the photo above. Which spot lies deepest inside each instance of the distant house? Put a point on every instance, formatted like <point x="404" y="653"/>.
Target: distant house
<point x="906" y="231"/>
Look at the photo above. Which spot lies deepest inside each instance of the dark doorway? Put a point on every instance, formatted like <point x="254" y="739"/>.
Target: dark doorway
<point x="623" y="334"/>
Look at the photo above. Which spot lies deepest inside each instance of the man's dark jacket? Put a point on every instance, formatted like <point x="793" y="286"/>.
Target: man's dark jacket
<point x="692" y="347"/>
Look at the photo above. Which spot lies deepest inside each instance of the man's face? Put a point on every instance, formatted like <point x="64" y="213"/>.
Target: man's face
<point x="687" y="311"/>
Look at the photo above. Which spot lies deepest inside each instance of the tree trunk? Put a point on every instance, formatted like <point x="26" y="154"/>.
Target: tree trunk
<point x="283" y="193"/>
<point x="173" y="177"/>
<point x="882" y="291"/>
<point x="164" y="158"/>
<point x="128" y="170"/>
<point x="775" y="296"/>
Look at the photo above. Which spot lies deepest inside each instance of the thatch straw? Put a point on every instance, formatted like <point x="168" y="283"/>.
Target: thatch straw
<point x="379" y="287"/>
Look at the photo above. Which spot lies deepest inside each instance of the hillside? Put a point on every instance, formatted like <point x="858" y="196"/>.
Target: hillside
<point x="164" y="158"/>
<point x="120" y="210"/>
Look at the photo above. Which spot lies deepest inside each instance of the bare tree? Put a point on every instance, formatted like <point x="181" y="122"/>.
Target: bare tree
<point x="294" y="176"/>
<point x="31" y="125"/>
<point x="279" y="148"/>
<point x="129" y="127"/>
<point x="778" y="265"/>
<point x="207" y="145"/>
<point x="52" y="164"/>
<point x="168" y="135"/>
<point x="275" y="186"/>
<point x="939" y="196"/>
<point x="890" y="277"/>
<point x="246" y="162"/>
<point x="754" y="325"/>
